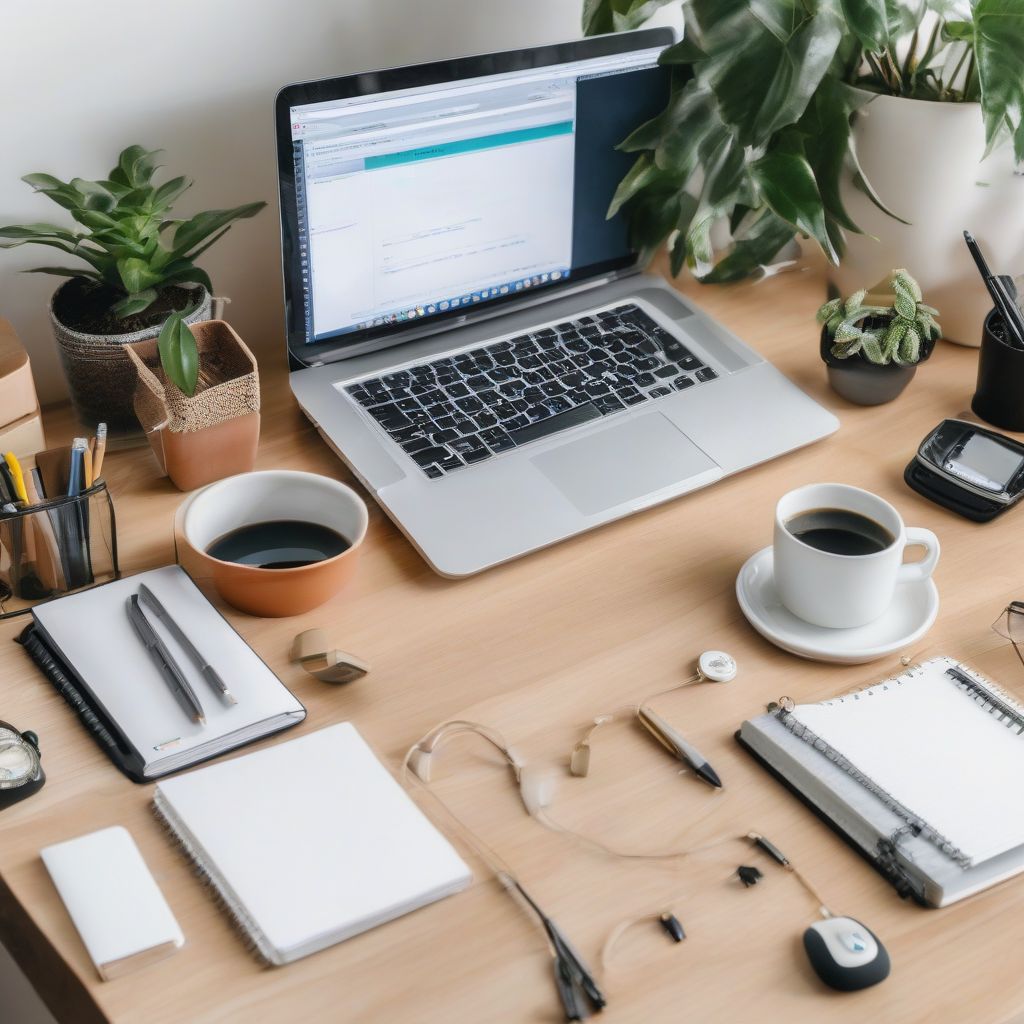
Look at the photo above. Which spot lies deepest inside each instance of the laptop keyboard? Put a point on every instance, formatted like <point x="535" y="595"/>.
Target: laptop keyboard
<point x="466" y="408"/>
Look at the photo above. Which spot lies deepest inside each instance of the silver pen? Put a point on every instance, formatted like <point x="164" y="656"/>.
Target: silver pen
<point x="210" y="674"/>
<point x="173" y="676"/>
<point x="677" y="746"/>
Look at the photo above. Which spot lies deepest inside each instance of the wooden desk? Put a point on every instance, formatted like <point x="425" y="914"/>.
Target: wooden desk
<point x="536" y="649"/>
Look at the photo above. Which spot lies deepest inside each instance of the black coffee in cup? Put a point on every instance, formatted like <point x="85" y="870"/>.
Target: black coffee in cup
<point x="279" y="544"/>
<point x="839" y="531"/>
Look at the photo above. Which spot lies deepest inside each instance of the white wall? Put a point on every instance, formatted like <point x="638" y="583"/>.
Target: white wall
<point x="79" y="81"/>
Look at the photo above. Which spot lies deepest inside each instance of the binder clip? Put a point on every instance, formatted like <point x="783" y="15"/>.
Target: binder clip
<point x="329" y="666"/>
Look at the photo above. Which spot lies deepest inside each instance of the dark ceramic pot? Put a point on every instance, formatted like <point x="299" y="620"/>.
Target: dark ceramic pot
<point x="866" y="383"/>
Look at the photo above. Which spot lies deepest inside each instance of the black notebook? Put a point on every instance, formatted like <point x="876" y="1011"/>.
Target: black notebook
<point x="924" y="773"/>
<point x="88" y="649"/>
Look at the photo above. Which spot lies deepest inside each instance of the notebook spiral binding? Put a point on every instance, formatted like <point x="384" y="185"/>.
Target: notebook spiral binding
<point x="985" y="693"/>
<point x="242" y="924"/>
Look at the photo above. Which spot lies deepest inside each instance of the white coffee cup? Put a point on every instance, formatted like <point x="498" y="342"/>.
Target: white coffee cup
<point x="843" y="591"/>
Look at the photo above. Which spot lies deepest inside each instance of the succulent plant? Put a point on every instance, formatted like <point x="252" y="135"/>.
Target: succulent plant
<point x="881" y="334"/>
<point x="130" y="243"/>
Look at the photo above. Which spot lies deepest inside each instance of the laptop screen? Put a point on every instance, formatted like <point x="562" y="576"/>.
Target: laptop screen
<point x="424" y="202"/>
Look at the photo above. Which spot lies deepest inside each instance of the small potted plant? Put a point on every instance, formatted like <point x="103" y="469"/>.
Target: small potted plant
<point x="198" y="399"/>
<point x="872" y="342"/>
<point x="139" y="266"/>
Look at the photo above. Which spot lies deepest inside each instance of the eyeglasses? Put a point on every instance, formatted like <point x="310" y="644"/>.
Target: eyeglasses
<point x="1010" y="624"/>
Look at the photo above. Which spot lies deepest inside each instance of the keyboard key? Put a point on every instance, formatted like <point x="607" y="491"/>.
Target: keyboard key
<point x="683" y="382"/>
<point x="389" y="417"/>
<point x="516" y="423"/>
<point x="631" y="396"/>
<point x="666" y="371"/>
<point x="470" y="406"/>
<point x="440" y="437"/>
<point x="644" y="380"/>
<point x="554" y="424"/>
<point x="429" y="456"/>
<point x="400" y="379"/>
<point x="452" y="462"/>
<point x="464" y="444"/>
<point x="458" y="390"/>
<point x="705" y="373"/>
<point x="445" y="422"/>
<point x="505" y="358"/>
<point x="480" y="383"/>
<point x="485" y="419"/>
<point x="661" y="392"/>
<point x="557" y="405"/>
<point x="594" y="388"/>
<point x="647" y="363"/>
<point x="608" y="404"/>
<point x="548" y="332"/>
<point x="433" y="471"/>
<point x="553" y="388"/>
<point x="477" y="454"/>
<point x="418" y="444"/>
<point x="497" y="440"/>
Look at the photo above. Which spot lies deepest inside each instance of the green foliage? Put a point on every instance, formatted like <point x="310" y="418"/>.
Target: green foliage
<point x="881" y="334"/>
<point x="179" y="354"/>
<point x="757" y="129"/>
<point x="130" y="243"/>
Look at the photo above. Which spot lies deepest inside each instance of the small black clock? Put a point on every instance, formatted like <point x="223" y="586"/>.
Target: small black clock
<point x="21" y="771"/>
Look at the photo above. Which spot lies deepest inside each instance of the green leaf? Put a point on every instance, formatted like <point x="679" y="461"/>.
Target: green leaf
<point x="755" y="246"/>
<point x="169" y="191"/>
<point x="192" y="275"/>
<point x="135" y="166"/>
<point x="179" y="354"/>
<point x="193" y="231"/>
<point x="136" y="276"/>
<point x="643" y="172"/>
<point x="868" y="21"/>
<point x="134" y="303"/>
<point x="998" y="47"/>
<point x="39" y="230"/>
<point x="43" y="182"/>
<point x="64" y="272"/>
<point x="686" y="51"/>
<point x="601" y="16"/>
<point x="958" y="31"/>
<point x="684" y="127"/>
<point x="765" y="62"/>
<point x="787" y="184"/>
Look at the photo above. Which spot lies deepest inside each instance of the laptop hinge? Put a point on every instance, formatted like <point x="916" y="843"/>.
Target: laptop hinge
<point x="476" y="317"/>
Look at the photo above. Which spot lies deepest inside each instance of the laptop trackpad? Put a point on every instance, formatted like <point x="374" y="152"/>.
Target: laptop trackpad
<point x="624" y="463"/>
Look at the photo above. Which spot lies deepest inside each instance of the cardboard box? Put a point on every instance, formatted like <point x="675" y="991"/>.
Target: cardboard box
<point x="17" y="388"/>
<point x="24" y="437"/>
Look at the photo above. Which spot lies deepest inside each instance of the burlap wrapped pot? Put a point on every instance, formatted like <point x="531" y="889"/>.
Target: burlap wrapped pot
<point x="100" y="376"/>
<point x="213" y="434"/>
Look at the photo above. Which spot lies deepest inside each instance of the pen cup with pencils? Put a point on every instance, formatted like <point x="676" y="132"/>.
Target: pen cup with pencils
<point x="999" y="398"/>
<point x="54" y="546"/>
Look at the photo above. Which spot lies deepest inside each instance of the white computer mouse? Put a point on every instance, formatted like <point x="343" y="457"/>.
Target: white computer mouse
<point x="845" y="954"/>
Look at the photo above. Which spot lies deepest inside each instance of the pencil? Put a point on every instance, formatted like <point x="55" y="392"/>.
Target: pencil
<point x="101" y="447"/>
<point x="87" y="466"/>
<point x="17" y="476"/>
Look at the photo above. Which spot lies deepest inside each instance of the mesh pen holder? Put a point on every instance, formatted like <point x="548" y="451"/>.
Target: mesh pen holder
<point x="56" y="547"/>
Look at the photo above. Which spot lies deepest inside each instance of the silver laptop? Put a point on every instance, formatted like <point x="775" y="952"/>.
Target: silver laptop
<point x="471" y="333"/>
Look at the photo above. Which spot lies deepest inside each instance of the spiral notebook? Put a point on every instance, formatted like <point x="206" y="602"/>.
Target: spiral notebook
<point x="309" y="842"/>
<point x="924" y="773"/>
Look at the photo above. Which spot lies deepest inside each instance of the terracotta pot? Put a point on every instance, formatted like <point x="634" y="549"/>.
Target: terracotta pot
<point x="209" y="514"/>
<point x="213" y="434"/>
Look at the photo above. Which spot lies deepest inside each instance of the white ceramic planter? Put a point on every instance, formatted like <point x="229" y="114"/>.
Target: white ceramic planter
<point x="924" y="160"/>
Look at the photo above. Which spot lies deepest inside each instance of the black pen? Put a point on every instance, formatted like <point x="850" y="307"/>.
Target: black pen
<point x="210" y="674"/>
<point x="173" y="676"/>
<point x="1004" y="303"/>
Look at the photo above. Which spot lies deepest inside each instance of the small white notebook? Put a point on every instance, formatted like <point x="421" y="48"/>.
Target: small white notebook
<point x="112" y="898"/>
<point x="310" y="842"/>
<point x="92" y="633"/>
<point x="927" y="767"/>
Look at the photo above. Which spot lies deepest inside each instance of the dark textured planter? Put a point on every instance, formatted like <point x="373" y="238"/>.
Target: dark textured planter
<point x="866" y="383"/>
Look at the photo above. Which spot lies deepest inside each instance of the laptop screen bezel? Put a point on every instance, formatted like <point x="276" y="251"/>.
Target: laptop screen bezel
<point x="368" y="83"/>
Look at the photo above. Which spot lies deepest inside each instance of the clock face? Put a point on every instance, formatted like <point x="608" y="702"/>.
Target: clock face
<point x="19" y="761"/>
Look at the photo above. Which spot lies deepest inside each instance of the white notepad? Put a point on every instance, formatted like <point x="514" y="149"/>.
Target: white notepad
<point x="924" y="772"/>
<point x="310" y="842"/>
<point x="112" y="898"/>
<point x="94" y="636"/>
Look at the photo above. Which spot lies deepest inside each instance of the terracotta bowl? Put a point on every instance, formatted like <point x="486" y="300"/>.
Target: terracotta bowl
<point x="248" y="498"/>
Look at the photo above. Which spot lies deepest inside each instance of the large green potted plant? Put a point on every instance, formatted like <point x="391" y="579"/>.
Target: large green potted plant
<point x="763" y="132"/>
<point x="137" y="266"/>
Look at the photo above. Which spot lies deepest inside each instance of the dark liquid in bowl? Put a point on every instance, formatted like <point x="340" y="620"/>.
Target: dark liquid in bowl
<point x="279" y="544"/>
<point x="839" y="531"/>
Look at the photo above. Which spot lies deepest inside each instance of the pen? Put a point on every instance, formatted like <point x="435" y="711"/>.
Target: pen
<point x="76" y="474"/>
<point x="17" y="476"/>
<point x="178" y="684"/>
<point x="1008" y="309"/>
<point x="676" y="745"/>
<point x="210" y="674"/>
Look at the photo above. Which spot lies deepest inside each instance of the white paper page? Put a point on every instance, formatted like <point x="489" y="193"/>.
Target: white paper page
<point x="93" y="632"/>
<point x="314" y="837"/>
<point x="936" y="750"/>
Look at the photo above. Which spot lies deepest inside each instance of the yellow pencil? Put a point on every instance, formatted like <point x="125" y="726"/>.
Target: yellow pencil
<point x="87" y="466"/>
<point x="101" y="446"/>
<point x="19" y="480"/>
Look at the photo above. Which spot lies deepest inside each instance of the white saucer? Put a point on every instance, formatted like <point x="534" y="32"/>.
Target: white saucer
<point x="908" y="618"/>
